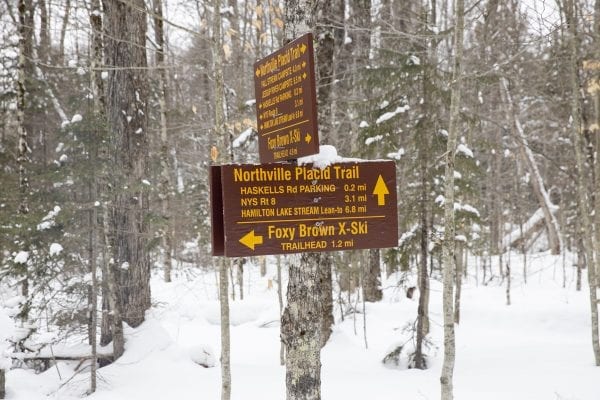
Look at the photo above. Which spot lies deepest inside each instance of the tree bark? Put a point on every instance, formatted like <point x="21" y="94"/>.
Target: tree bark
<point x="448" y="245"/>
<point x="125" y="49"/>
<point x="301" y="324"/>
<point x="301" y="329"/>
<point x="225" y="335"/>
<point x="63" y="31"/>
<point x="423" y="149"/>
<point x="582" y="195"/>
<point x="221" y="139"/>
<point x="165" y="164"/>
<point x="2" y="384"/>
<point x="371" y="280"/>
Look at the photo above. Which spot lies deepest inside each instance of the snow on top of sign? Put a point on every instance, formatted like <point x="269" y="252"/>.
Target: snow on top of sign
<point x="327" y="155"/>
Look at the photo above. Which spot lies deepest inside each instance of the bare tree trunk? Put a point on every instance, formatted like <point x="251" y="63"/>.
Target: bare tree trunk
<point x="225" y="335"/>
<point x="113" y="313"/>
<point x="221" y="138"/>
<point x="263" y="265"/>
<point x="93" y="217"/>
<point x="324" y="15"/>
<point x="423" y="158"/>
<point x="459" y="268"/>
<point x="63" y="31"/>
<point x="2" y="384"/>
<point x="166" y="182"/>
<point x="448" y="245"/>
<point x="371" y="279"/>
<point x="326" y="284"/>
<point x="301" y="329"/>
<point x="301" y="325"/>
<point x="44" y="31"/>
<point x="587" y="240"/>
<point x="240" y="276"/>
<point x="280" y="299"/>
<point x="127" y="110"/>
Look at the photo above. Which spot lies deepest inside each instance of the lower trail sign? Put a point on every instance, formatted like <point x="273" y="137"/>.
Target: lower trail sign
<point x="288" y="208"/>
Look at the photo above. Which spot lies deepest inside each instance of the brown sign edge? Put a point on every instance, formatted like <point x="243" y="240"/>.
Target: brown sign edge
<point x="216" y="211"/>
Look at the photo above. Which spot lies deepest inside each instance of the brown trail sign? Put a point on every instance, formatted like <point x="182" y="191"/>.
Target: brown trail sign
<point x="286" y="102"/>
<point x="288" y="208"/>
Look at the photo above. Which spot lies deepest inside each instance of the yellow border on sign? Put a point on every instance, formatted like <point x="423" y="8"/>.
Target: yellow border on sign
<point x="310" y="219"/>
<point x="285" y="127"/>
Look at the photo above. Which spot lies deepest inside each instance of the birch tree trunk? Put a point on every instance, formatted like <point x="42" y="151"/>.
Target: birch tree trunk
<point x="582" y="195"/>
<point x="448" y="245"/>
<point x="221" y="138"/>
<point x="166" y="182"/>
<point x="301" y="320"/>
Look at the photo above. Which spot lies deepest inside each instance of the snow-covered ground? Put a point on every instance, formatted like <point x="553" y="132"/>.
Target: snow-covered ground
<point x="537" y="348"/>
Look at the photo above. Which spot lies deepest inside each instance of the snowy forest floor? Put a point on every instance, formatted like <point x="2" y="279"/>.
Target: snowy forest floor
<point x="537" y="348"/>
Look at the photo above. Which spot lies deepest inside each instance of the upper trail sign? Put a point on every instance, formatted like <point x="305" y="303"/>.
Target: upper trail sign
<point x="288" y="208"/>
<point x="282" y="208"/>
<point x="286" y="102"/>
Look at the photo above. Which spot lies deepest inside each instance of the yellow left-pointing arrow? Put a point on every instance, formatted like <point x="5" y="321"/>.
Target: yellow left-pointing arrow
<point x="250" y="240"/>
<point x="380" y="191"/>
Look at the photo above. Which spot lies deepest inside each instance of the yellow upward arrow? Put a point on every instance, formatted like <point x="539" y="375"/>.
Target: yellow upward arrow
<point x="380" y="190"/>
<point x="250" y="240"/>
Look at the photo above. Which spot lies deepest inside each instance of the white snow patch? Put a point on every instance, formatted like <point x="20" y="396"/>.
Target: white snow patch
<point x="466" y="208"/>
<point x="363" y="124"/>
<point x="104" y="75"/>
<point x="48" y="220"/>
<point x="203" y="355"/>
<point x="76" y="118"/>
<point x="72" y="63"/>
<point x="250" y="102"/>
<point x="146" y="182"/>
<point x="396" y="155"/>
<point x="55" y="249"/>
<point x="80" y="71"/>
<point x="464" y="150"/>
<point x="21" y="257"/>
<point x="388" y="115"/>
<point x="373" y="139"/>
<point x="242" y="138"/>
